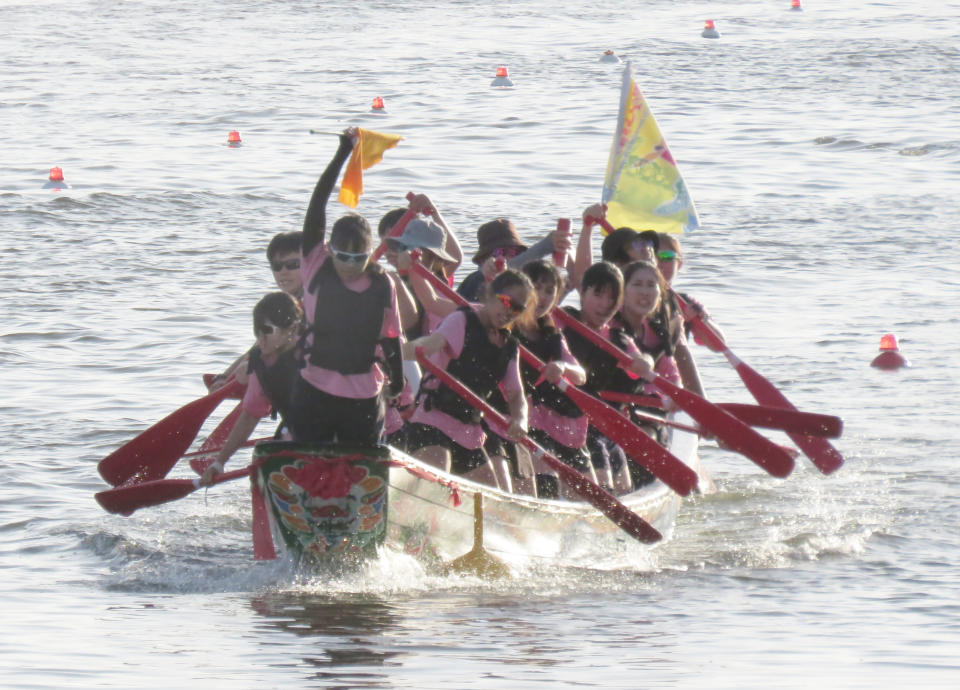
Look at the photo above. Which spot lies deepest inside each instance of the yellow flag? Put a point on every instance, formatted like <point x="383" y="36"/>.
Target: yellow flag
<point x="367" y="152"/>
<point x="643" y="188"/>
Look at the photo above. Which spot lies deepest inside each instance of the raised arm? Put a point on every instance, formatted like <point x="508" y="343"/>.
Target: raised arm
<point x="584" y="257"/>
<point x="315" y="221"/>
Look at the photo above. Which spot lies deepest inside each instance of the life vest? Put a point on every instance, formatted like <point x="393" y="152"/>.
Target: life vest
<point x="347" y="324"/>
<point x="276" y="380"/>
<point x="603" y="371"/>
<point x="419" y="328"/>
<point x="549" y="348"/>
<point x="481" y="366"/>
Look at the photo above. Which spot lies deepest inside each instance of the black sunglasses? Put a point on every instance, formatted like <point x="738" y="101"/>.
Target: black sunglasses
<point x="347" y="257"/>
<point x="290" y="265"/>
<point x="264" y="329"/>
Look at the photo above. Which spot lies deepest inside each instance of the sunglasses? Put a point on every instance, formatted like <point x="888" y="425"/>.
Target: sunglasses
<point x="505" y="252"/>
<point x="667" y="255"/>
<point x="264" y="329"/>
<point x="348" y="257"/>
<point x="507" y="301"/>
<point x="291" y="265"/>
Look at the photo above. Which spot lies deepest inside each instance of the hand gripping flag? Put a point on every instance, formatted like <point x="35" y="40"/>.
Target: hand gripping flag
<point x="367" y="152"/>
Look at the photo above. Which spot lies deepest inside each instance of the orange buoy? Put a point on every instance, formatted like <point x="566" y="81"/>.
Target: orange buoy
<point x="376" y="106"/>
<point x="890" y="357"/>
<point x="502" y="79"/>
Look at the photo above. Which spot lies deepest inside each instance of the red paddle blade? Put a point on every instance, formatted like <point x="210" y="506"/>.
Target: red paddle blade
<point x="784" y="419"/>
<point x="735" y="434"/>
<point x="130" y="497"/>
<point x="126" y="499"/>
<point x="826" y="458"/>
<point x="154" y="452"/>
<point x="663" y="464"/>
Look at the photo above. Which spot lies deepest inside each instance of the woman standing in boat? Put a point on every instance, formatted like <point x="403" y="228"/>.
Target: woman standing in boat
<point x="353" y="325"/>
<point x="473" y="344"/>
<point x="556" y="423"/>
<point x="272" y="372"/>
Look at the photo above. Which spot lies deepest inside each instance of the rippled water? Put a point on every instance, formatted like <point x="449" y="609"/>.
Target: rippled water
<point x="822" y="152"/>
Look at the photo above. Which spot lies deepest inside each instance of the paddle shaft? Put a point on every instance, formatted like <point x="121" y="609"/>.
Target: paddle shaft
<point x="779" y="418"/>
<point x="735" y="434"/>
<point x="622" y="516"/>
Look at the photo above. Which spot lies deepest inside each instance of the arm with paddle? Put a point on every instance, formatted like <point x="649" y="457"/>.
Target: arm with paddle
<point x="629" y="521"/>
<point x="730" y="430"/>
<point x="635" y="443"/>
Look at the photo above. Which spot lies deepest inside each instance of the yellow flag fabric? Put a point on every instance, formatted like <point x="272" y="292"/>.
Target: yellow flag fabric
<point x="643" y="188"/>
<point x="367" y="152"/>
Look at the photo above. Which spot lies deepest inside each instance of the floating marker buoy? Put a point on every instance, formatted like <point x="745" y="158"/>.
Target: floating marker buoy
<point x="502" y="79"/>
<point x="889" y="357"/>
<point x="233" y="139"/>
<point x="710" y="29"/>
<point x="796" y="6"/>
<point x="55" y="179"/>
<point x="609" y="56"/>
<point x="376" y="106"/>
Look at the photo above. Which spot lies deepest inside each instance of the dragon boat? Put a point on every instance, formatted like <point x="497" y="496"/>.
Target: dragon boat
<point x="342" y="504"/>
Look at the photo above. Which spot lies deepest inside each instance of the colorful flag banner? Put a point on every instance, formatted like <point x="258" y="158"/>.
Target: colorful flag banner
<point x="643" y="188"/>
<point x="367" y="152"/>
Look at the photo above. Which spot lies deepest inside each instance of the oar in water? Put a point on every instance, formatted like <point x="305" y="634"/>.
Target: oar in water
<point x="731" y="431"/>
<point x="124" y="500"/>
<point x="622" y="516"/>
<point x="780" y="418"/>
<point x="820" y="451"/>
<point x="635" y="443"/>
<point x="154" y="452"/>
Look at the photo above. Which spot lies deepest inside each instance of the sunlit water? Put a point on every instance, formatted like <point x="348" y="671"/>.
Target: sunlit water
<point x="821" y="149"/>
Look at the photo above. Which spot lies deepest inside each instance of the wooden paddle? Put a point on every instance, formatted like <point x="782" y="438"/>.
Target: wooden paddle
<point x="826" y="458"/>
<point x="606" y="503"/>
<point x="735" y="434"/>
<point x="154" y="452"/>
<point x="126" y="499"/>
<point x="779" y="418"/>
<point x="634" y="441"/>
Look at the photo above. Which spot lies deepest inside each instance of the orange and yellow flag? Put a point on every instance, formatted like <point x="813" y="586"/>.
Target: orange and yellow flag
<point x="367" y="152"/>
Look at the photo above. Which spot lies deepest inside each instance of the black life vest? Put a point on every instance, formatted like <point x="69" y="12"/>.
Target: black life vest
<point x="481" y="366"/>
<point x="346" y="324"/>
<point x="277" y="380"/>
<point x="603" y="371"/>
<point x="419" y="328"/>
<point x="549" y="348"/>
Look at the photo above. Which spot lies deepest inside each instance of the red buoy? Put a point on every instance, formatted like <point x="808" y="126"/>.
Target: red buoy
<point x="233" y="139"/>
<point x="502" y="79"/>
<point x="889" y="357"/>
<point x="796" y="6"/>
<point x="710" y="29"/>
<point x="377" y="105"/>
<point x="56" y="174"/>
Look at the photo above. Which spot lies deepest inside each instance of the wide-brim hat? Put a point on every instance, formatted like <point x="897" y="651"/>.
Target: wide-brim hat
<point x="420" y="234"/>
<point x="494" y="235"/>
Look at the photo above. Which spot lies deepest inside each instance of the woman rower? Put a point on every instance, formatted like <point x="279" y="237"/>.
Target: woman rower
<point x="474" y="344"/>
<point x="353" y="325"/>
<point x="555" y="422"/>
<point x="601" y="294"/>
<point x="273" y="370"/>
